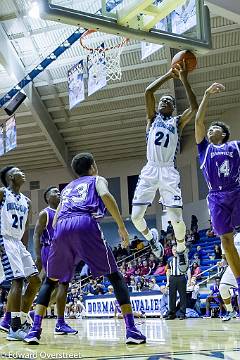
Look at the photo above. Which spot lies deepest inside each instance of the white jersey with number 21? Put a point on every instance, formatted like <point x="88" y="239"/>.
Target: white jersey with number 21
<point x="163" y="139"/>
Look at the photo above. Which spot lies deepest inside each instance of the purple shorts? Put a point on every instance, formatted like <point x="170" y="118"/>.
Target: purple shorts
<point x="44" y="255"/>
<point x="79" y="238"/>
<point x="224" y="210"/>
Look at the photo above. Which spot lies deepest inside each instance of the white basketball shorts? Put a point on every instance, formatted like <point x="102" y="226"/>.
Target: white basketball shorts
<point x="228" y="278"/>
<point x="164" y="178"/>
<point x="16" y="261"/>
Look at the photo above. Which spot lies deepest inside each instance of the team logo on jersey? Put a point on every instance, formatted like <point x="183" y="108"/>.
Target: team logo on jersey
<point x="176" y="198"/>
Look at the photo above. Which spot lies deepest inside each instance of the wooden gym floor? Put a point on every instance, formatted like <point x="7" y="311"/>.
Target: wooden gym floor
<point x="195" y="339"/>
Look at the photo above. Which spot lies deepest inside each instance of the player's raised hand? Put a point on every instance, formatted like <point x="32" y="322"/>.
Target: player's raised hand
<point x="124" y="236"/>
<point x="180" y="71"/>
<point x="215" y="88"/>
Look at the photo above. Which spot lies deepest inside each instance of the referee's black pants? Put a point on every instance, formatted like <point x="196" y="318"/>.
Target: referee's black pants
<point x="177" y="283"/>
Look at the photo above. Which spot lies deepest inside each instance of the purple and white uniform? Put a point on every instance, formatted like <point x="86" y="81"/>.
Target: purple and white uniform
<point x="221" y="168"/>
<point x="78" y="235"/>
<point x="47" y="236"/>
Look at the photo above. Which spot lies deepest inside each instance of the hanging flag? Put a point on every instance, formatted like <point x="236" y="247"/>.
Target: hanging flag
<point x="11" y="134"/>
<point x="76" y="85"/>
<point x="1" y="140"/>
<point x="97" y="73"/>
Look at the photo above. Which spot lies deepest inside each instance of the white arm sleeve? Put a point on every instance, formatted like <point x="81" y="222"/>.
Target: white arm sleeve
<point x="101" y="186"/>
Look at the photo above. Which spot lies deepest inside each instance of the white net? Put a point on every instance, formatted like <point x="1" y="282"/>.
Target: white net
<point x="104" y="49"/>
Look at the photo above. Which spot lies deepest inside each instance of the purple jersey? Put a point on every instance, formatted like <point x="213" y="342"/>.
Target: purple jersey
<point x="48" y="232"/>
<point x="79" y="197"/>
<point x="220" y="165"/>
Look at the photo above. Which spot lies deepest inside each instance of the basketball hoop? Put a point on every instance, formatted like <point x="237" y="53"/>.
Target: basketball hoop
<point x="92" y="41"/>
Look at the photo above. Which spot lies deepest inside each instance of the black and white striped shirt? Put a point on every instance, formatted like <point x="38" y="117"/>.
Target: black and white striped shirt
<point x="173" y="265"/>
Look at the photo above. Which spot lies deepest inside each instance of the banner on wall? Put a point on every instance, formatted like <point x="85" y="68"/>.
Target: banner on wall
<point x="97" y="73"/>
<point x="11" y="134"/>
<point x="1" y="140"/>
<point x="76" y="85"/>
<point x="104" y="306"/>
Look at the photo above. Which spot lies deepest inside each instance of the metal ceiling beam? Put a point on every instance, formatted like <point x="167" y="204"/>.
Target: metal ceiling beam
<point x="14" y="67"/>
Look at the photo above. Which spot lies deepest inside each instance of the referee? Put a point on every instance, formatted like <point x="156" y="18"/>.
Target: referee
<point x="177" y="283"/>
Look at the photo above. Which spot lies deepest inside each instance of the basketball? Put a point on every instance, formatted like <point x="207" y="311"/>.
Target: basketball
<point x="188" y="56"/>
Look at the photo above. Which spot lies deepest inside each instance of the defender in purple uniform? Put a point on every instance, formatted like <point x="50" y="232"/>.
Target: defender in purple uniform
<point x="43" y="236"/>
<point x="220" y="162"/>
<point x="78" y="236"/>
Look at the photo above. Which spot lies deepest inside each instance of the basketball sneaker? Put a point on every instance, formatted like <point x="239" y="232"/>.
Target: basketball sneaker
<point x="5" y="325"/>
<point x="134" y="336"/>
<point x="64" y="329"/>
<point x="156" y="246"/>
<point x="229" y="315"/>
<point x="34" y="336"/>
<point x="18" y="335"/>
<point x="183" y="261"/>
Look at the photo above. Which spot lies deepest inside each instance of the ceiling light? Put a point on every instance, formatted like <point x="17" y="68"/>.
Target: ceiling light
<point x="34" y="10"/>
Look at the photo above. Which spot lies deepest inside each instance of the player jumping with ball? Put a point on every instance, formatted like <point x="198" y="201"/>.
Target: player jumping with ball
<point x="163" y="133"/>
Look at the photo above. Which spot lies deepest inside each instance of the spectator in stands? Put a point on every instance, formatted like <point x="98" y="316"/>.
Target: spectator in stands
<point x="210" y="232"/>
<point x="195" y="270"/>
<point x="170" y="228"/>
<point x="153" y="286"/>
<point x="188" y="236"/>
<point x="196" y="259"/>
<point x="133" y="286"/>
<point x="194" y="223"/>
<point x="145" y="284"/>
<point x="110" y="290"/>
<point x="85" y="271"/>
<point x="217" y="251"/>
<point x="214" y="297"/>
<point x="167" y="251"/>
<point x="139" y="263"/>
<point x="193" y="295"/>
<point x="152" y="265"/>
<point x="161" y="269"/>
<point x="200" y="252"/>
<point x="145" y="269"/>
<point x="164" y="301"/>
<point x="133" y="245"/>
<point x="140" y="245"/>
<point x="130" y="271"/>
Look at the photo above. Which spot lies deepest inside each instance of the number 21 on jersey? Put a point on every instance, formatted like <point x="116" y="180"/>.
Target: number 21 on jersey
<point x="162" y="138"/>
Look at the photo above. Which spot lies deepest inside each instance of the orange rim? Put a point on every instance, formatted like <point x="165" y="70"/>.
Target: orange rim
<point x="89" y="32"/>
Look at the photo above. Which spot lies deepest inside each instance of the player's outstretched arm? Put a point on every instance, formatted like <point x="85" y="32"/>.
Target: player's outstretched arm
<point x="38" y="231"/>
<point x="112" y="207"/>
<point x="151" y="89"/>
<point x="200" y="130"/>
<point x="189" y="113"/>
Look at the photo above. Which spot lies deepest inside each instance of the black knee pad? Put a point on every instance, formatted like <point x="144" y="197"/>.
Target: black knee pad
<point x="45" y="292"/>
<point x="120" y="288"/>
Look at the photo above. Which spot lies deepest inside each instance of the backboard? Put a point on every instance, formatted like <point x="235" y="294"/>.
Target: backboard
<point x="181" y="24"/>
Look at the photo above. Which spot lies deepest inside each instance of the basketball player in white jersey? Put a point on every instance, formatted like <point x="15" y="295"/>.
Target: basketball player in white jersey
<point x="228" y="281"/>
<point x="16" y="262"/>
<point x="160" y="173"/>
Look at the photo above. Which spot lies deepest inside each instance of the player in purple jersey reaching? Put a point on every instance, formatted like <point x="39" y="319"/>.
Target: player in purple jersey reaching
<point x="78" y="236"/>
<point x="43" y="236"/>
<point x="220" y="163"/>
